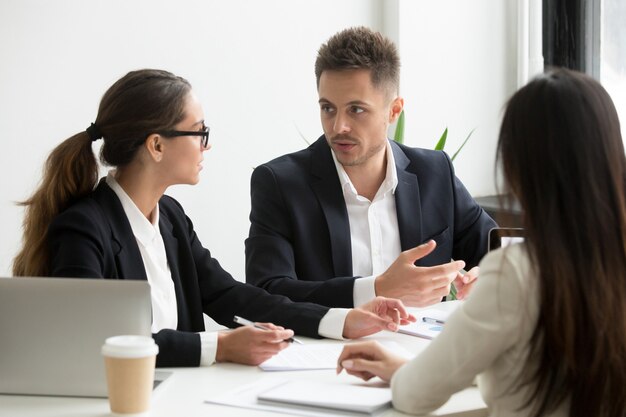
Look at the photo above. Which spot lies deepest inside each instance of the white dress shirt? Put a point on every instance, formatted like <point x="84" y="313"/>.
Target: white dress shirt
<point x="374" y="232"/>
<point x="164" y="305"/>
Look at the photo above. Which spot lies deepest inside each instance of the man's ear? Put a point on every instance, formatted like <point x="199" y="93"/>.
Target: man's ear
<point x="395" y="109"/>
<point x="155" y="146"/>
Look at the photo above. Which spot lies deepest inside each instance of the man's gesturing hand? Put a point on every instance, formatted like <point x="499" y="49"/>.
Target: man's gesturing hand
<point x="417" y="286"/>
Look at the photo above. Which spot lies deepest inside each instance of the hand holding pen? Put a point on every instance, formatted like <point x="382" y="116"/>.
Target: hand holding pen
<point x="246" y="322"/>
<point x="251" y="345"/>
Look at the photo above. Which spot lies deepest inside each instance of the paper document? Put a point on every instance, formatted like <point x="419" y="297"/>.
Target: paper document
<point x="246" y="397"/>
<point x="304" y="357"/>
<point x="335" y="396"/>
<point x="315" y="356"/>
<point x="430" y="329"/>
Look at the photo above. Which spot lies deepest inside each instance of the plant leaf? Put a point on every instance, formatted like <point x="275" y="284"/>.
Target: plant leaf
<point x="398" y="135"/>
<point x="442" y="141"/>
<point x="452" y="295"/>
<point x="463" y="144"/>
<point x="301" y="135"/>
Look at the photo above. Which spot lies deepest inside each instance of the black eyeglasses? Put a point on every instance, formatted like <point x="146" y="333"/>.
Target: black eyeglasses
<point x="176" y="133"/>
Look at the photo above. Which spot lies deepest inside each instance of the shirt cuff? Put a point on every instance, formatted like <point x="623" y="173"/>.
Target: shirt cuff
<point x="331" y="325"/>
<point x="364" y="290"/>
<point x="208" y="348"/>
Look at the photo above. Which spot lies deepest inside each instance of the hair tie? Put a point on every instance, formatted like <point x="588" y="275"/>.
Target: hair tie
<point x="94" y="132"/>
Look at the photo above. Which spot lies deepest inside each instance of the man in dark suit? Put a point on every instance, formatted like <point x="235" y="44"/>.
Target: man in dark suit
<point x="356" y="215"/>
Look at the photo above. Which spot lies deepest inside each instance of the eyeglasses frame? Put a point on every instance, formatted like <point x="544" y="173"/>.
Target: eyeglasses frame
<point x="177" y="133"/>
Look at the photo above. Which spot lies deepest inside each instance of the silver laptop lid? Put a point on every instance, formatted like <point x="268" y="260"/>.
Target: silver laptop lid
<point x="52" y="329"/>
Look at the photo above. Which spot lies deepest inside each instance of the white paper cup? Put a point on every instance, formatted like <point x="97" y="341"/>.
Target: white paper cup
<point x="129" y="363"/>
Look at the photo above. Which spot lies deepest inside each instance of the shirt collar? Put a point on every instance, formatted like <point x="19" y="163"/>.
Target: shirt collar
<point x="391" y="176"/>
<point x="145" y="231"/>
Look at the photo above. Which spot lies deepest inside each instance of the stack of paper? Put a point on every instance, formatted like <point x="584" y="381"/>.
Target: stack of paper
<point x="355" y="398"/>
<point x="308" y="398"/>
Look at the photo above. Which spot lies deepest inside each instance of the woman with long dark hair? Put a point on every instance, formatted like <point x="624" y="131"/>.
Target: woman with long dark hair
<point x="124" y="227"/>
<point x="545" y="328"/>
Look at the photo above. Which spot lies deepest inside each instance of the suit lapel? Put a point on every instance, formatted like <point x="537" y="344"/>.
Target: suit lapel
<point x="171" y="250"/>
<point x="127" y="255"/>
<point x="171" y="246"/>
<point x="408" y="205"/>
<point x="325" y="184"/>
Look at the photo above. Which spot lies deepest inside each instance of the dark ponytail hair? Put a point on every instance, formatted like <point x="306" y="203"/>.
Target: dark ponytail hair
<point x="140" y="103"/>
<point x="562" y="155"/>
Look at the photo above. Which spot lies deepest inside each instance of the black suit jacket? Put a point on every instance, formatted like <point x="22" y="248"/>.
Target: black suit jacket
<point x="299" y="242"/>
<point x="93" y="239"/>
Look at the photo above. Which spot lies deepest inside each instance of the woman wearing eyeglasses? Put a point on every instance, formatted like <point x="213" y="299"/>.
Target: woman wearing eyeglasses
<point x="124" y="227"/>
<point x="545" y="328"/>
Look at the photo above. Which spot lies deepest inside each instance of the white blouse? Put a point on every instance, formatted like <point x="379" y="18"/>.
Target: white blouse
<point x="152" y="249"/>
<point x="487" y="337"/>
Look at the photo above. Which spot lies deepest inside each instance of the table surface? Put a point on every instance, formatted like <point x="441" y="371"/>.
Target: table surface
<point x="185" y="391"/>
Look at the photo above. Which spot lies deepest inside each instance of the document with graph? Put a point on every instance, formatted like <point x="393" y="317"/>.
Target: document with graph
<point x="429" y="324"/>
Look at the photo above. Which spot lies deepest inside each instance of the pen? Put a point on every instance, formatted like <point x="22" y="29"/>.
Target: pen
<point x="431" y="320"/>
<point x="246" y="322"/>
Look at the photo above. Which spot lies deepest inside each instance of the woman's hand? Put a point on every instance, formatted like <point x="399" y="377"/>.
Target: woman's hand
<point x="251" y="346"/>
<point x="379" y="314"/>
<point x="369" y="359"/>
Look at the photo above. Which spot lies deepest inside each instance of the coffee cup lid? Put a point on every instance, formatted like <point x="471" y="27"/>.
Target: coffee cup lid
<point x="129" y="346"/>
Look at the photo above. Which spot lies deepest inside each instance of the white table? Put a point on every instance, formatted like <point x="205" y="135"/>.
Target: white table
<point x="185" y="391"/>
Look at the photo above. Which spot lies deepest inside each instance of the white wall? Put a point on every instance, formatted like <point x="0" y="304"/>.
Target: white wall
<point x="251" y="64"/>
<point x="458" y="69"/>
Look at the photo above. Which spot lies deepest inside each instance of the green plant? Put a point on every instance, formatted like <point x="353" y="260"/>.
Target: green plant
<point x="442" y="142"/>
<point x="398" y="136"/>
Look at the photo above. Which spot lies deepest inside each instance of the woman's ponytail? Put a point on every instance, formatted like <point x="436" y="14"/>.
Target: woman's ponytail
<point x="70" y="172"/>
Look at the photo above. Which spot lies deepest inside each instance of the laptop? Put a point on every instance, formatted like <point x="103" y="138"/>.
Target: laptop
<point x="500" y="237"/>
<point x="52" y="330"/>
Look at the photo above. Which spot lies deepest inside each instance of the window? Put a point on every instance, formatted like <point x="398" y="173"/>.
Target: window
<point x="612" y="56"/>
<point x="589" y="36"/>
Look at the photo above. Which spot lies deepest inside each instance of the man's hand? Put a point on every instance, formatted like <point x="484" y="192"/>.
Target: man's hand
<point x="379" y="314"/>
<point x="251" y="346"/>
<point x="465" y="283"/>
<point x="367" y="360"/>
<point x="417" y="286"/>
